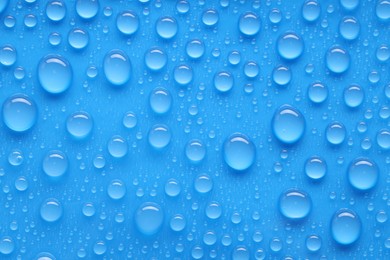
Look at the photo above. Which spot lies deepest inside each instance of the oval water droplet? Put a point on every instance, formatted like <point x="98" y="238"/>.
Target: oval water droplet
<point x="172" y="188"/>
<point x="183" y="75"/>
<point x="159" y="136"/>
<point x="317" y="92"/>
<point x="195" y="49"/>
<point x="349" y="4"/>
<point x="116" y="189"/>
<point x="149" y="218"/>
<point x="127" y="22"/>
<point x="203" y="183"/>
<point x="78" y="38"/>
<point x="79" y="125"/>
<point x="281" y="75"/>
<point x="160" y="100"/>
<point x="54" y="74"/>
<point x="335" y="133"/>
<point x="345" y="227"/>
<point x="210" y="17"/>
<point x="288" y="124"/>
<point x="295" y="204"/>
<point x="363" y="174"/>
<point x="7" y="245"/>
<point x="7" y="55"/>
<point x="19" y="113"/>
<point x="213" y="210"/>
<point x="383" y="139"/>
<point x="313" y="243"/>
<point x="337" y="60"/>
<point x="383" y="10"/>
<point x="223" y="81"/>
<point x="239" y="152"/>
<point x="311" y="10"/>
<point x="177" y="223"/>
<point x="353" y="96"/>
<point x="195" y="151"/>
<point x="117" y="146"/>
<point x="349" y="28"/>
<point x="315" y="168"/>
<point x="117" y="67"/>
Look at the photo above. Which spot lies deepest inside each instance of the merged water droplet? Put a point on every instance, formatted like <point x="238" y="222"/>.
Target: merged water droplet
<point x="155" y="59"/>
<point x="195" y="49"/>
<point x="363" y="174"/>
<point x="335" y="133"/>
<point x="116" y="189"/>
<point x="159" y="136"/>
<point x="349" y="28"/>
<point x="7" y="55"/>
<point x="311" y="10"/>
<point x="294" y="204"/>
<point x="166" y="27"/>
<point x="87" y="9"/>
<point x="19" y="113"/>
<point x="127" y="22"/>
<point x="149" y="218"/>
<point x="55" y="164"/>
<point x="239" y="152"/>
<point x="288" y="124"/>
<point x="315" y="168"/>
<point x="78" y="38"/>
<point x="117" y="67"/>
<point x="337" y="60"/>
<point x="249" y="24"/>
<point x="51" y="210"/>
<point x="54" y="74"/>
<point x="223" y="81"/>
<point x="290" y="46"/>
<point x="117" y="146"/>
<point x="79" y="125"/>
<point x="345" y="227"/>
<point x="55" y="10"/>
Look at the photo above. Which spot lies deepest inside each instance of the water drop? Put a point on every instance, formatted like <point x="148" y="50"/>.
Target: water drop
<point x="172" y="188"/>
<point x="182" y="6"/>
<point x="15" y="158"/>
<point x="317" y="92"/>
<point x="195" y="49"/>
<point x="383" y="139"/>
<point x="54" y="74"/>
<point x="127" y="22"/>
<point x="210" y="17"/>
<point x="100" y="248"/>
<point x="78" y="39"/>
<point x="251" y="69"/>
<point x="281" y="75"/>
<point x="117" y="67"/>
<point x="87" y="9"/>
<point x="56" y="10"/>
<point x="337" y="60"/>
<point x="313" y="243"/>
<point x="55" y="164"/>
<point x="345" y="227"/>
<point x="79" y="125"/>
<point x="234" y="57"/>
<point x="155" y="59"/>
<point x="116" y="189"/>
<point x="239" y="152"/>
<point x="55" y="39"/>
<point x="51" y="210"/>
<point x="290" y="46"/>
<point x="30" y="21"/>
<point x="209" y="238"/>
<point x="7" y="55"/>
<point x="177" y="223"/>
<point x="349" y="4"/>
<point x="129" y="120"/>
<point x="195" y="151"/>
<point x="99" y="161"/>
<point x="117" y="146"/>
<point x="275" y="16"/>
<point x="335" y="133"/>
<point x="203" y="183"/>
<point x="159" y="136"/>
<point x="288" y="124"/>
<point x="166" y="27"/>
<point x="88" y="209"/>
<point x="149" y="218"/>
<point x="249" y="24"/>
<point x="311" y="10"/>
<point x="160" y="100"/>
<point x="381" y="216"/>
<point x="383" y="53"/>
<point x="223" y="81"/>
<point x="383" y="10"/>
<point x="19" y="113"/>
<point x="182" y="75"/>
<point x="363" y="174"/>
<point x="315" y="168"/>
<point x="213" y="210"/>
<point x="353" y="96"/>
<point x="7" y="245"/>
<point x="349" y="28"/>
<point x="45" y="256"/>
<point x="21" y="183"/>
<point x="294" y="204"/>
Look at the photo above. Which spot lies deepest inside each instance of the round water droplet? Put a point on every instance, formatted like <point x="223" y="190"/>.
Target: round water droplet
<point x="155" y="59"/>
<point x="349" y="28"/>
<point x="363" y="174"/>
<point x="182" y="6"/>
<point x="210" y="17"/>
<point x="249" y="24"/>
<point x="353" y="96"/>
<point x="239" y="152"/>
<point x="30" y="21"/>
<point x="381" y="216"/>
<point x="195" y="49"/>
<point x="21" y="183"/>
<point x="54" y="74"/>
<point x="213" y="210"/>
<point x="251" y="69"/>
<point x="203" y="183"/>
<point x="294" y="204"/>
<point x="87" y="9"/>
<point x="172" y="188"/>
<point x="197" y="252"/>
<point x="100" y="248"/>
<point x="127" y="22"/>
<point x="79" y="125"/>
<point x="7" y="55"/>
<point x="117" y="67"/>
<point x="55" y="164"/>
<point x="159" y="136"/>
<point x="275" y="16"/>
<point x="223" y="81"/>
<point x="55" y="39"/>
<point x="51" y="210"/>
<point x="45" y="256"/>
<point x="149" y="218"/>
<point x="383" y="53"/>
<point x="234" y="57"/>
<point x="177" y="223"/>
<point x="166" y="27"/>
<point x="7" y="245"/>
<point x="337" y="60"/>
<point x="88" y="210"/>
<point x="116" y="189"/>
<point x="99" y="162"/>
<point x="183" y="75"/>
<point x="129" y="120"/>
<point x="117" y="146"/>
<point x="335" y="133"/>
<point x="288" y="124"/>
<point x="240" y="253"/>
<point x="55" y="10"/>
<point x="160" y="100"/>
<point x="276" y="245"/>
<point x="281" y="75"/>
<point x="315" y="168"/>
<point x="195" y="151"/>
<point x="290" y="46"/>
<point x="317" y="92"/>
<point x="19" y="113"/>
<point x="349" y="4"/>
<point x="313" y="243"/>
<point x="78" y="39"/>
<point x="345" y="227"/>
<point x="383" y="139"/>
<point x="311" y="10"/>
<point x="383" y="10"/>
<point x="15" y="158"/>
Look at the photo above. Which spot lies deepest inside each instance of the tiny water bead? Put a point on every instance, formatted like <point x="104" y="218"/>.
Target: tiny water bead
<point x="183" y="75"/>
<point x="288" y="124"/>
<point x="311" y="10"/>
<point x="290" y="46"/>
<point x="129" y="120"/>
<point x="363" y="174"/>
<point x="155" y="59"/>
<point x="195" y="49"/>
<point x="56" y="10"/>
<point x="383" y="139"/>
<point x="177" y="223"/>
<point x="117" y="67"/>
<point x="337" y="60"/>
<point x="223" y="81"/>
<point x="294" y="204"/>
<point x="345" y="227"/>
<point x="55" y="164"/>
<point x="160" y="100"/>
<point x="172" y="188"/>
<point x="87" y="9"/>
<point x="249" y="24"/>
<point x="19" y="112"/>
<point x="15" y="158"/>
<point x="7" y="55"/>
<point x="383" y="10"/>
<point x="317" y="92"/>
<point x="195" y="151"/>
<point x="315" y="168"/>
<point x="239" y="152"/>
<point x="335" y="133"/>
<point x="51" y="210"/>
<point x="78" y="38"/>
<point x="127" y="22"/>
<point x="313" y="243"/>
<point x="55" y="74"/>
<point x="213" y="210"/>
<point x="7" y="245"/>
<point x="251" y="69"/>
<point x="281" y="75"/>
<point x="210" y="17"/>
<point x="166" y="27"/>
<point x="349" y="28"/>
<point x="149" y="218"/>
<point x="117" y="146"/>
<point x="203" y="183"/>
<point x="159" y="136"/>
<point x="353" y="96"/>
<point x="116" y="189"/>
<point x="79" y="125"/>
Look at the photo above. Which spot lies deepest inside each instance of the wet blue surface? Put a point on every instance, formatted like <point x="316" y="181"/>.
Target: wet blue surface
<point x="194" y="129"/>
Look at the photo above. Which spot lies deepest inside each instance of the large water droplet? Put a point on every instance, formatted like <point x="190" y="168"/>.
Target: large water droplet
<point x="195" y="49"/>
<point x="79" y="125"/>
<point x="51" y="210"/>
<point x="56" y="10"/>
<point x="156" y="59"/>
<point x="55" y="164"/>
<point x="117" y="67"/>
<point x="290" y="46"/>
<point x="149" y="218"/>
<point x="383" y="10"/>
<point x="87" y="9"/>
<point x="7" y="55"/>
<point x="54" y="73"/>
<point x="249" y="24"/>
<point x="294" y="204"/>
<point x="159" y="136"/>
<point x="363" y="174"/>
<point x="345" y="227"/>
<point x="288" y="124"/>
<point x="337" y="60"/>
<point x="127" y="22"/>
<point x="239" y="152"/>
<point x="166" y="27"/>
<point x="19" y="113"/>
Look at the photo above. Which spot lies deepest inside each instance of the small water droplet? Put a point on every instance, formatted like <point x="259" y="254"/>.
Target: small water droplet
<point x="349" y="28"/>
<point x="249" y="24"/>
<point x="117" y="146"/>
<point x="335" y="133"/>
<point x="317" y="92"/>
<point x="79" y="125"/>
<point x="87" y="9"/>
<point x="7" y="55"/>
<point x="281" y="75"/>
<point x="116" y="189"/>
<point x="223" y="81"/>
<point x="337" y="60"/>
<point x="195" y="151"/>
<point x="311" y="10"/>
<point x="56" y="10"/>
<point x="78" y="38"/>
<point x="315" y="168"/>
<point x="195" y="49"/>
<point x="183" y="75"/>
<point x="159" y="136"/>
<point x="203" y="183"/>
